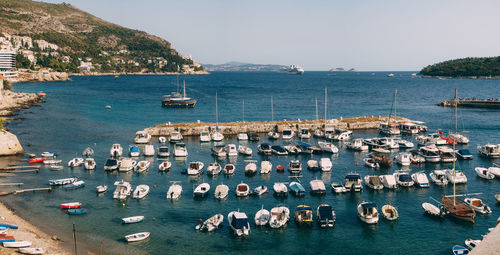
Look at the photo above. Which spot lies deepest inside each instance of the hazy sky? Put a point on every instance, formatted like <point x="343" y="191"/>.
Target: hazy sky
<point x="318" y="35"/>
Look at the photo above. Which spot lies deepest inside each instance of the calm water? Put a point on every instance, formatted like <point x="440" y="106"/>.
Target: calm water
<point x="74" y="117"/>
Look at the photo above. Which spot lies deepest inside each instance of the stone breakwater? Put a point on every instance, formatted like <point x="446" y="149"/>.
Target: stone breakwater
<point x="12" y="101"/>
<point x="233" y="128"/>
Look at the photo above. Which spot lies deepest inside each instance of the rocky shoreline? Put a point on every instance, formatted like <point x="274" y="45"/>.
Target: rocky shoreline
<point x="11" y="102"/>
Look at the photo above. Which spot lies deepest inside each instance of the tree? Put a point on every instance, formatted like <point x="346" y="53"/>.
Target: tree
<point x="22" y="61"/>
<point x="7" y="85"/>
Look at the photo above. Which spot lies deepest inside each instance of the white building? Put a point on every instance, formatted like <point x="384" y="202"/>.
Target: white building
<point x="29" y="55"/>
<point x="85" y="66"/>
<point x="7" y="61"/>
<point x="43" y="45"/>
<point x="22" y="41"/>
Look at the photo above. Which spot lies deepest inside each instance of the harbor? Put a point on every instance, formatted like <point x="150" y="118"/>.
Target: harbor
<point x="493" y="103"/>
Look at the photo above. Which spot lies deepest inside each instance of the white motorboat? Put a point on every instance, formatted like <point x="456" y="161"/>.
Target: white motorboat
<point x="201" y="190"/>
<point x="56" y="167"/>
<point x="439" y="177"/>
<point x="484" y="173"/>
<point x="259" y="190"/>
<point x="389" y="212"/>
<point x="353" y="182"/>
<point x="31" y="251"/>
<point x="430" y="153"/>
<point x="142" y="166"/>
<point x="368" y="213"/>
<point x="432" y="210"/>
<point x="262" y="217"/>
<point x="369" y="162"/>
<point x="89" y="164"/>
<point x="180" y="150"/>
<point x="242" y="137"/>
<point x="403" y="178"/>
<point x="420" y="179"/>
<point x="318" y="133"/>
<point x="329" y="130"/>
<point x="132" y="219"/>
<point x="337" y="187"/>
<point x="292" y="149"/>
<point x="279" y="217"/>
<point x="231" y="150"/>
<point x="142" y="137"/>
<point x="459" y="138"/>
<point x="211" y="223"/>
<point x="295" y="167"/>
<point x="265" y="167"/>
<point x="214" y="169"/>
<point x="416" y="158"/>
<point x="101" y="188"/>
<point x="229" y="169"/>
<point x="52" y="161"/>
<point x="221" y="191"/>
<point x="328" y="147"/>
<point x="116" y="150"/>
<point x="250" y="168"/>
<point x="357" y="145"/>
<point x="219" y="151"/>
<point x="389" y="128"/>
<point x="325" y="216"/>
<point x="495" y="171"/>
<point x="175" y="137"/>
<point x="242" y="190"/>
<point x="265" y="149"/>
<point x="123" y="190"/>
<point x="373" y="182"/>
<point x="165" y="166"/>
<point x="304" y="133"/>
<point x="340" y="135"/>
<point x="280" y="189"/>
<point x="137" y="237"/>
<point x="162" y="140"/>
<point x="325" y="164"/>
<point x="447" y="154"/>
<point x="88" y="152"/>
<point x="174" y="191"/>
<point x="471" y="244"/>
<point x="403" y="158"/>
<point x="389" y="181"/>
<point x="408" y="128"/>
<point x="17" y="244"/>
<point x="195" y="168"/>
<point x="489" y="150"/>
<point x="127" y="164"/>
<point x="141" y="191"/>
<point x="477" y="205"/>
<point x="62" y="181"/>
<point x="456" y="176"/>
<point x="205" y="136"/>
<point x="163" y="151"/>
<point x="273" y="135"/>
<point x="149" y="150"/>
<point x="313" y="165"/>
<point x="317" y="187"/>
<point x="287" y="134"/>
<point x="404" y="144"/>
<point x="238" y="221"/>
<point x="75" y="162"/>
<point x="242" y="149"/>
<point x="217" y="136"/>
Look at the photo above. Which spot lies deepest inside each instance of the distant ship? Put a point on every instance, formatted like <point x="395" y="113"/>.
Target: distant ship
<point x="294" y="69"/>
<point x="178" y="100"/>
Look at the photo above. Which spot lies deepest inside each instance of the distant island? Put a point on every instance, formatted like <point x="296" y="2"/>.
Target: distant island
<point x="234" y="66"/>
<point x="488" y="67"/>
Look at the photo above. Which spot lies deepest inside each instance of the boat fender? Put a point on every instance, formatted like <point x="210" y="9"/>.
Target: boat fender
<point x="154" y="186"/>
<point x="154" y="219"/>
<point x="200" y="220"/>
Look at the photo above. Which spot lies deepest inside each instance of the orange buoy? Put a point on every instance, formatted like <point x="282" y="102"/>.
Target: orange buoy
<point x="200" y="219"/>
<point x="154" y="218"/>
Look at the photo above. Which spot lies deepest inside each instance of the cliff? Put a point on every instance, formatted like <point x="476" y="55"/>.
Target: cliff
<point x="10" y="144"/>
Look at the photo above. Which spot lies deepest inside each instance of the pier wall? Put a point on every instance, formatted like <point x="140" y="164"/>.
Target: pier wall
<point x="233" y="128"/>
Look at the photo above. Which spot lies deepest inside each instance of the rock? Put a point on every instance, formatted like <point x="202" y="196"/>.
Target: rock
<point x="10" y="144"/>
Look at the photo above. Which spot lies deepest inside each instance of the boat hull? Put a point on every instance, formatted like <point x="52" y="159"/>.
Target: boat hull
<point x="173" y="104"/>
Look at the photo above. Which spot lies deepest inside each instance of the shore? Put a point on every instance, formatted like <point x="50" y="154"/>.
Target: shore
<point x="490" y="244"/>
<point x="139" y="73"/>
<point x="28" y="232"/>
<point x="10" y="102"/>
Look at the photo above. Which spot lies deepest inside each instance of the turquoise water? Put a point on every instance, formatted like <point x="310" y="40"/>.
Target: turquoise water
<point x="74" y="117"/>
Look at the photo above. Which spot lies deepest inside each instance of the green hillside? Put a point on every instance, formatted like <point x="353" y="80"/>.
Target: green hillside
<point x="465" y="67"/>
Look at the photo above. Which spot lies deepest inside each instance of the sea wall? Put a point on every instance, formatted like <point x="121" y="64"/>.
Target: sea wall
<point x="233" y="128"/>
<point x="490" y="244"/>
<point x="9" y="144"/>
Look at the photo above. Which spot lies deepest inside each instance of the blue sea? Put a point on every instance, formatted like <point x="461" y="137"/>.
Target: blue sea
<point x="74" y="117"/>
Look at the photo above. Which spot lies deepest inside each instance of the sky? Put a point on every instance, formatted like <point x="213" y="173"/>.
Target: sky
<point x="317" y="35"/>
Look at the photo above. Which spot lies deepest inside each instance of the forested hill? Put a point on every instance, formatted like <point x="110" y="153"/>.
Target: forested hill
<point x="80" y="36"/>
<point x="465" y="67"/>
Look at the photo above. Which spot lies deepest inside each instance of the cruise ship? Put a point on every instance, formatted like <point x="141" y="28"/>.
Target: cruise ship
<point x="178" y="100"/>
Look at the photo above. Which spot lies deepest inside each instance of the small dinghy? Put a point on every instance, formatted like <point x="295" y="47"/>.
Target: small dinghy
<point x="74" y="185"/>
<point x="162" y="140"/>
<point x="238" y="221"/>
<point x="89" y="164"/>
<point x="420" y="179"/>
<point x="389" y="212"/>
<point x="337" y="187"/>
<point x="313" y="165"/>
<point x="369" y="162"/>
<point x="52" y="161"/>
<point x="101" y="188"/>
<point x="477" y="205"/>
<point x="137" y="237"/>
<point x="262" y="217"/>
<point x="47" y="154"/>
<point x="34" y="251"/>
<point x="484" y="173"/>
<point x="201" y="190"/>
<point x="133" y="219"/>
<point x="142" y="166"/>
<point x="221" y="191"/>
<point x="297" y="189"/>
<point x="56" y="168"/>
<point x="317" y="187"/>
<point x="214" y="169"/>
<point x="459" y="250"/>
<point x="72" y="205"/>
<point x="77" y="211"/>
<point x="88" y="152"/>
<point x="368" y="213"/>
<point x="244" y="150"/>
<point x="141" y="191"/>
<point x="259" y="190"/>
<point x="242" y="190"/>
<point x="373" y="182"/>
<point x="432" y="210"/>
<point x="211" y="223"/>
<point x="265" y="167"/>
<point x="325" y="216"/>
<point x="439" y="177"/>
<point x="250" y="168"/>
<point x="174" y="191"/>
<point x="17" y="244"/>
<point x="36" y="160"/>
<point x="280" y="168"/>
<point x="280" y="189"/>
<point x="471" y="244"/>
<point x="229" y="169"/>
<point x="279" y="217"/>
<point x="165" y="166"/>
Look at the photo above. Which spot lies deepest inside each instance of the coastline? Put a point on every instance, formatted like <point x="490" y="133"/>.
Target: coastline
<point x="490" y="244"/>
<point x="14" y="101"/>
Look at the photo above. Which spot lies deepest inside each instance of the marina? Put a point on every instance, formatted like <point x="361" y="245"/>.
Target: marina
<point x="182" y="214"/>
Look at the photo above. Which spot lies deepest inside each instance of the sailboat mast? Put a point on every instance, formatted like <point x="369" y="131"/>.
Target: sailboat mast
<point x="395" y="102"/>
<point x="216" y="113"/>
<point x="325" y="103"/>
<point x="454" y="159"/>
<point x="243" y="110"/>
<point x="272" y="109"/>
<point x="316" y="108"/>
<point x="184" y="91"/>
<point x="177" y="84"/>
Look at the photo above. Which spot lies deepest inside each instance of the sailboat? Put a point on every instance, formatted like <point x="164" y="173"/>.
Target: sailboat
<point x="456" y="137"/>
<point x="274" y="133"/>
<point x="450" y="204"/>
<point x="318" y="132"/>
<point x="390" y="128"/>
<point x="242" y="136"/>
<point x="176" y="99"/>
<point x="217" y="136"/>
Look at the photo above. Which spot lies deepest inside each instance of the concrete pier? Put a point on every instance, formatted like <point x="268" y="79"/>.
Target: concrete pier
<point x="233" y="128"/>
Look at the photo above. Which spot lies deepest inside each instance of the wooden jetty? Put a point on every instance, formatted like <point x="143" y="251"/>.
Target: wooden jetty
<point x="19" y="167"/>
<point x="5" y="193"/>
<point x="233" y="128"/>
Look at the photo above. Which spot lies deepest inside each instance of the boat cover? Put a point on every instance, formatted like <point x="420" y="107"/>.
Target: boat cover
<point x="369" y="205"/>
<point x="304" y="144"/>
<point x="325" y="212"/>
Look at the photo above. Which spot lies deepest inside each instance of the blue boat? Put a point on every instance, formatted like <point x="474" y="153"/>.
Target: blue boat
<point x="75" y="185"/>
<point x="297" y="189"/>
<point x="3" y="229"/>
<point x="308" y="148"/>
<point x="77" y="211"/>
<point x="459" y="250"/>
<point x="7" y="240"/>
<point x="8" y="226"/>
<point x="134" y="151"/>
<point x="464" y="154"/>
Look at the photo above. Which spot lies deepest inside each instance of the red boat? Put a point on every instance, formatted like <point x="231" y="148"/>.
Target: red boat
<point x="36" y="160"/>
<point x="72" y="205"/>
<point x="280" y="168"/>
<point x="6" y="237"/>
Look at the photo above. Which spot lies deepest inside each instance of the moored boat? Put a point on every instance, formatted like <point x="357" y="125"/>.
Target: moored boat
<point x="137" y="237"/>
<point x="75" y="162"/>
<point x="63" y="181"/>
<point x="127" y="164"/>
<point x="71" y="205"/>
<point x="229" y="169"/>
<point x="74" y="185"/>
<point x="297" y="189"/>
<point x="201" y="190"/>
<point x="353" y="182"/>
<point x="459" y="250"/>
<point x="32" y="251"/>
<point x="142" y="166"/>
<point x="141" y="191"/>
<point x="116" y="150"/>
<point x="420" y="179"/>
<point x="101" y="188"/>
<point x="174" y="191"/>
<point x="195" y="168"/>
<point x="484" y="173"/>
<point x="280" y="216"/>
<point x="221" y="191"/>
<point x="439" y="177"/>
<point x="325" y="216"/>
<point x="389" y="212"/>
<point x="244" y="150"/>
<point x="214" y="169"/>
<point x="432" y="210"/>
<point x="123" y="190"/>
<point x="457" y="209"/>
<point x="262" y="217"/>
<point x="78" y="211"/>
<point x="337" y="187"/>
<point x="303" y="215"/>
<point x="368" y="213"/>
<point x="280" y="189"/>
<point x="259" y="190"/>
<point x="211" y="223"/>
<point x="17" y="244"/>
<point x="242" y="190"/>
<point x="373" y="182"/>
<point x="317" y="187"/>
<point x="238" y="221"/>
<point x="133" y="219"/>
<point x="477" y="205"/>
<point x="250" y="168"/>
<point x="165" y="166"/>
